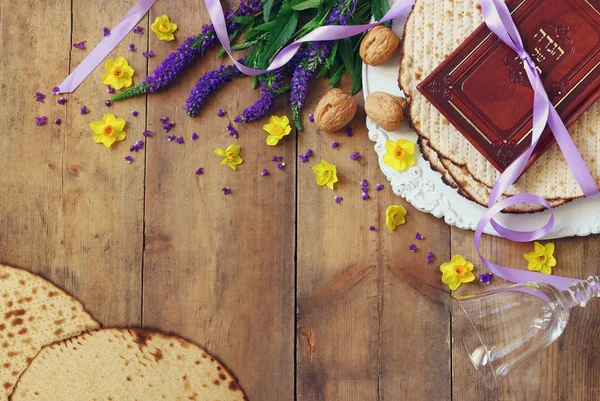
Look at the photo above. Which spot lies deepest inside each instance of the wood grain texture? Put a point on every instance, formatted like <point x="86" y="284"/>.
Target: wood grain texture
<point x="219" y="269"/>
<point x="358" y="289"/>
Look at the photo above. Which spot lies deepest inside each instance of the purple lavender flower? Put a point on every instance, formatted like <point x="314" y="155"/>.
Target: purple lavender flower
<point x="372" y="228"/>
<point x="107" y="103"/>
<point x="200" y="171"/>
<point x="195" y="136"/>
<point x="148" y="54"/>
<point x="259" y="109"/>
<point x="106" y="31"/>
<point x="226" y="191"/>
<point x="221" y="112"/>
<point x="128" y="159"/>
<point x="355" y="156"/>
<point x="164" y="120"/>
<point x="309" y="152"/>
<point x="180" y="140"/>
<point x="110" y="89"/>
<point x="134" y="113"/>
<point x="62" y="100"/>
<point x="137" y="146"/>
<point x="335" y="144"/>
<point x="132" y="47"/>
<point x="419" y="236"/>
<point x="338" y="199"/>
<point x="167" y="127"/>
<point x="232" y="131"/>
<point x="277" y="159"/>
<point x="139" y="30"/>
<point x="430" y="257"/>
<point x="365" y="196"/>
<point x="281" y="166"/>
<point x="349" y="132"/>
<point x="39" y="97"/>
<point x="264" y="173"/>
<point x="80" y="45"/>
<point x="84" y="110"/>
<point x="486" y="278"/>
<point x="55" y="90"/>
<point x="207" y="85"/>
<point x="147" y="133"/>
<point x="58" y="121"/>
<point x="170" y="138"/>
<point x="39" y="121"/>
<point x="311" y="118"/>
<point x="303" y="158"/>
<point x="379" y="187"/>
<point x="192" y="48"/>
<point x="412" y="247"/>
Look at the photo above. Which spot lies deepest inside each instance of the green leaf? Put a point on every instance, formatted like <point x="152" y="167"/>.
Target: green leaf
<point x="337" y="75"/>
<point x="329" y="61"/>
<point x="254" y="82"/>
<point x="379" y="8"/>
<point x="267" y="7"/>
<point x="300" y="5"/>
<point x="357" y="77"/>
<point x="346" y="52"/>
<point x="282" y="32"/>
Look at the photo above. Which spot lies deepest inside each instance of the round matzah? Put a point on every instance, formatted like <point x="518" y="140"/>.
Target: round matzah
<point x="33" y="313"/>
<point x="126" y="365"/>
<point x="433" y="30"/>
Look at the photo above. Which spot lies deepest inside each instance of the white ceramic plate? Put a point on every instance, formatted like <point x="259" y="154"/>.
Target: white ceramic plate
<point x="424" y="189"/>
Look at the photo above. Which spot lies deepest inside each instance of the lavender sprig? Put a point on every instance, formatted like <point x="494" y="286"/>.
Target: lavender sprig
<point x="192" y="48"/>
<point x="207" y="85"/>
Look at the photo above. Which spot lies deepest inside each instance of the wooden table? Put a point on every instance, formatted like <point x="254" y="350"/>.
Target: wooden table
<point x="292" y="291"/>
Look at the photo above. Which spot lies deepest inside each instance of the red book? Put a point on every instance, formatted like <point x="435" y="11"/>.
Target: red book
<point x="482" y="88"/>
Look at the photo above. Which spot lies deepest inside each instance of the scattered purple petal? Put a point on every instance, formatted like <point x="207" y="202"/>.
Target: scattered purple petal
<point x="108" y="103"/>
<point x="412" y="247"/>
<point x="221" y="112"/>
<point x="80" y="45"/>
<point x="39" y="121"/>
<point x="264" y="173"/>
<point x="148" y="54"/>
<point x="238" y="119"/>
<point x="164" y="120"/>
<point x="281" y="166"/>
<point x="372" y="228"/>
<point x="232" y="131"/>
<point x="128" y="159"/>
<point x="168" y="125"/>
<point x="309" y="152"/>
<point x="106" y="32"/>
<point x="137" y="146"/>
<point x="200" y="171"/>
<point x="170" y="137"/>
<point x="338" y="199"/>
<point x="132" y="47"/>
<point x="134" y="113"/>
<point x="349" y="132"/>
<point x="355" y="156"/>
<point x="39" y="97"/>
<point x="62" y="100"/>
<point x="277" y="159"/>
<point x="110" y="89"/>
<point x="58" y="121"/>
<point x="335" y="144"/>
<point x="379" y="187"/>
<point x="419" y="236"/>
<point x="430" y="256"/>
<point x="147" y="133"/>
<point x="139" y="30"/>
<point x="303" y="158"/>
<point x="311" y="118"/>
<point x="195" y="136"/>
<point x="180" y="140"/>
<point x="84" y="110"/>
<point x="55" y="90"/>
<point x="226" y="191"/>
<point x="365" y="196"/>
<point x="486" y="278"/>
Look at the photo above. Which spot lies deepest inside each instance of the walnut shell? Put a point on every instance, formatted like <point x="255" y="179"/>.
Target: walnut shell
<point x="335" y="111"/>
<point x="385" y="110"/>
<point x="379" y="45"/>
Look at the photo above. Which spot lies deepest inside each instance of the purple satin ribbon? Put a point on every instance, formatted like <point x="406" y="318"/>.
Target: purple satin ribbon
<point x="103" y="49"/>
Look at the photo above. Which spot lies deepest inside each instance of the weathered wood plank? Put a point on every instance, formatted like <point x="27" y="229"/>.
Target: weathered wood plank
<point x="73" y="209"/>
<point x="220" y="269"/>
<point x="364" y="300"/>
<point x="566" y="370"/>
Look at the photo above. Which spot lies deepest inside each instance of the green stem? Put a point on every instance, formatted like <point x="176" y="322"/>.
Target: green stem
<point x="131" y="92"/>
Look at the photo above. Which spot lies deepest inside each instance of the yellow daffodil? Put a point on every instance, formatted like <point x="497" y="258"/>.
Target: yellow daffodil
<point x="109" y="130"/>
<point x="456" y="272"/>
<point x="541" y="259"/>
<point x="399" y="154"/>
<point x="231" y="156"/>
<point x="118" y="73"/>
<point x="326" y="174"/>
<point x="278" y="127"/>
<point x="394" y="216"/>
<point x="164" y="28"/>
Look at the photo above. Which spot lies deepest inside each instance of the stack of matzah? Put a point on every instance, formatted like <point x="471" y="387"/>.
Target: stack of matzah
<point x="434" y="29"/>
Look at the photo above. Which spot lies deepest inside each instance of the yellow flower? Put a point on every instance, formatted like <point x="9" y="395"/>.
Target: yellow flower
<point x="456" y="272"/>
<point x="278" y="127"/>
<point x="231" y="156"/>
<point x="326" y="174"/>
<point x="164" y="28"/>
<point x="109" y="130"/>
<point x="541" y="259"/>
<point x="399" y="154"/>
<point x="394" y="216"/>
<point x="118" y="73"/>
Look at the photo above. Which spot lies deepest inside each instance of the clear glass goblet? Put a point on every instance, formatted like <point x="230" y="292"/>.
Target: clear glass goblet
<point x="502" y="328"/>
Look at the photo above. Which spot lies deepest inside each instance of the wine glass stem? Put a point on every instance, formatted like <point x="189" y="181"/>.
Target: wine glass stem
<point x="580" y="292"/>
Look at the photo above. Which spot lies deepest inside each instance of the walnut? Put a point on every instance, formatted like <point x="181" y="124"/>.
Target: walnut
<point x="385" y="110"/>
<point x="379" y="45"/>
<point x="335" y="110"/>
